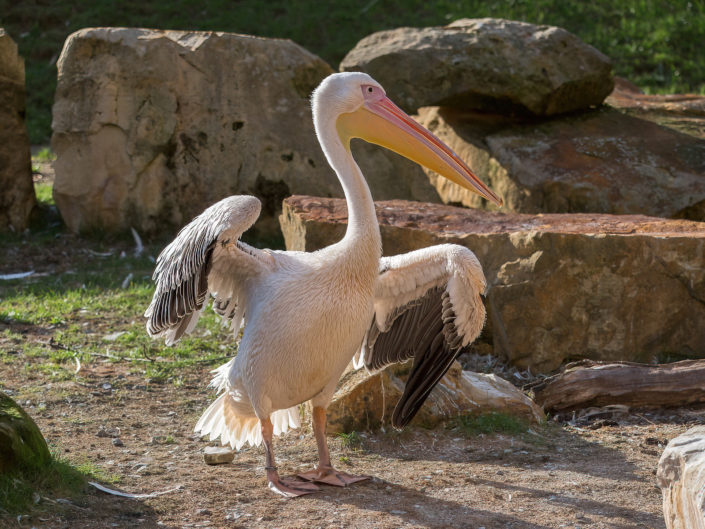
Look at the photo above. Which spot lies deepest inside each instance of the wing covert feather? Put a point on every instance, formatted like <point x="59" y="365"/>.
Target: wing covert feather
<point x="427" y="307"/>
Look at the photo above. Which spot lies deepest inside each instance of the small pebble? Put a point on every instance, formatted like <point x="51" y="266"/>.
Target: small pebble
<point x="217" y="455"/>
<point x="117" y="442"/>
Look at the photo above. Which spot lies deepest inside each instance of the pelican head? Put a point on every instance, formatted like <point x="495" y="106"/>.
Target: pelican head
<point x="361" y="109"/>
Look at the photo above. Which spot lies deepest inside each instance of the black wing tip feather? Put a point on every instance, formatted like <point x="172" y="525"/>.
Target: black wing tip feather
<point x="172" y="309"/>
<point x="436" y="350"/>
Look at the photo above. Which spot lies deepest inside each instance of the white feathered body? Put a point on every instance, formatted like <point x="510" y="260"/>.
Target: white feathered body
<point x="305" y="319"/>
<point x="304" y="326"/>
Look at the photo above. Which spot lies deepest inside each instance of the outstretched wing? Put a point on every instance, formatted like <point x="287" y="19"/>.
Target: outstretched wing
<point x="206" y="256"/>
<point x="427" y="307"/>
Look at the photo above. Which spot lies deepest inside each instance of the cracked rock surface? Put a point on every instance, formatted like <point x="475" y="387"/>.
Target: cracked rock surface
<point x="560" y="286"/>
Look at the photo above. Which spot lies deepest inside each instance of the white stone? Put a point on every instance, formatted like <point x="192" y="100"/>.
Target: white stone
<point x="218" y="455"/>
<point x="681" y="476"/>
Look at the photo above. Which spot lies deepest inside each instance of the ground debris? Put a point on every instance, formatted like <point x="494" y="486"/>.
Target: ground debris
<point x="130" y="495"/>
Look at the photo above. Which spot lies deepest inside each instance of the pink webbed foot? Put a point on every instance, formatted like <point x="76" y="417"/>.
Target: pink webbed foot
<point x="290" y="487"/>
<point x="331" y="476"/>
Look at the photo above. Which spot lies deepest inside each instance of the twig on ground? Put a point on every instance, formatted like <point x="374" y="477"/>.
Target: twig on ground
<point x="78" y="363"/>
<point x="139" y="247"/>
<point x="130" y="495"/>
<point x="18" y="275"/>
<point x="126" y="281"/>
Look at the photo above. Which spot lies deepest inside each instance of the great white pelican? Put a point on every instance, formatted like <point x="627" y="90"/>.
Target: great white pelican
<point x="307" y="314"/>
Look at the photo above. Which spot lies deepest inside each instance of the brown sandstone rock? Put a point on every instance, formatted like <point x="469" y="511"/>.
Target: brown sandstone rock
<point x="601" y="161"/>
<point x="681" y="476"/>
<point x="561" y="287"/>
<point x="17" y="197"/>
<point x="682" y="112"/>
<point x="151" y="127"/>
<point x="365" y="401"/>
<point x="487" y="64"/>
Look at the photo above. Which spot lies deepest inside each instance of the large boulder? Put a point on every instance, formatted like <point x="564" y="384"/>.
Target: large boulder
<point x="22" y="446"/>
<point x="601" y="161"/>
<point x="560" y="286"/>
<point x="487" y="64"/>
<point x="681" y="477"/>
<point x="151" y="127"/>
<point x="17" y="197"/>
<point x="364" y="400"/>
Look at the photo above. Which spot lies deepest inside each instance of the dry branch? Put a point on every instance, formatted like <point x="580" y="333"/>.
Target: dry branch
<point x="636" y="385"/>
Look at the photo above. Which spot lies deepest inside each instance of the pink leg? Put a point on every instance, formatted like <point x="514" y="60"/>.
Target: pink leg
<point x="287" y="487"/>
<point x="325" y="473"/>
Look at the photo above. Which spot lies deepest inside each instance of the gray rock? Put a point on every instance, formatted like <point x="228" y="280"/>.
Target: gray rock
<point x="560" y="287"/>
<point x="17" y="199"/>
<point x="487" y="64"/>
<point x="602" y="161"/>
<point x="217" y="455"/>
<point x="681" y="477"/>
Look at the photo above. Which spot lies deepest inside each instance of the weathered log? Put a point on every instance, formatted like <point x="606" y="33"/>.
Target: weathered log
<point x="586" y="384"/>
<point x="681" y="476"/>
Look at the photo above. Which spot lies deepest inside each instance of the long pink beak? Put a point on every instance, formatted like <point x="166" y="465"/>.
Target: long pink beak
<point x="382" y="122"/>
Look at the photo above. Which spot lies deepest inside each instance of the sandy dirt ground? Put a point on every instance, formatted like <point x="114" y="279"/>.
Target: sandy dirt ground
<point x="598" y="475"/>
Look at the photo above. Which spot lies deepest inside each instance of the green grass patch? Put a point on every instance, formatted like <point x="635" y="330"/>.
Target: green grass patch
<point x="44" y="154"/>
<point x="21" y="491"/>
<point x="351" y="441"/>
<point x="44" y="192"/>
<point x="90" y="308"/>
<point x="655" y="43"/>
<point x="490" y="423"/>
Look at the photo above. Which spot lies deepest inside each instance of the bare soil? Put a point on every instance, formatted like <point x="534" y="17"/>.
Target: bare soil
<point x="598" y="475"/>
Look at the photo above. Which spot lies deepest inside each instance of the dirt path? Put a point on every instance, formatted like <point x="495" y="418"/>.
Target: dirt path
<point x="558" y="476"/>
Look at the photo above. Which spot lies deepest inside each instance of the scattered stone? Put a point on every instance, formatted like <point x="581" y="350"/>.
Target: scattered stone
<point x="560" y="287"/>
<point x="17" y="199"/>
<point x="117" y="442"/>
<point x="365" y="401"/>
<point x="598" y="162"/>
<point x="105" y="431"/>
<point x="486" y="64"/>
<point x="22" y="446"/>
<point x="113" y="336"/>
<point x="681" y="476"/>
<point x="203" y="512"/>
<point x="217" y="455"/>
